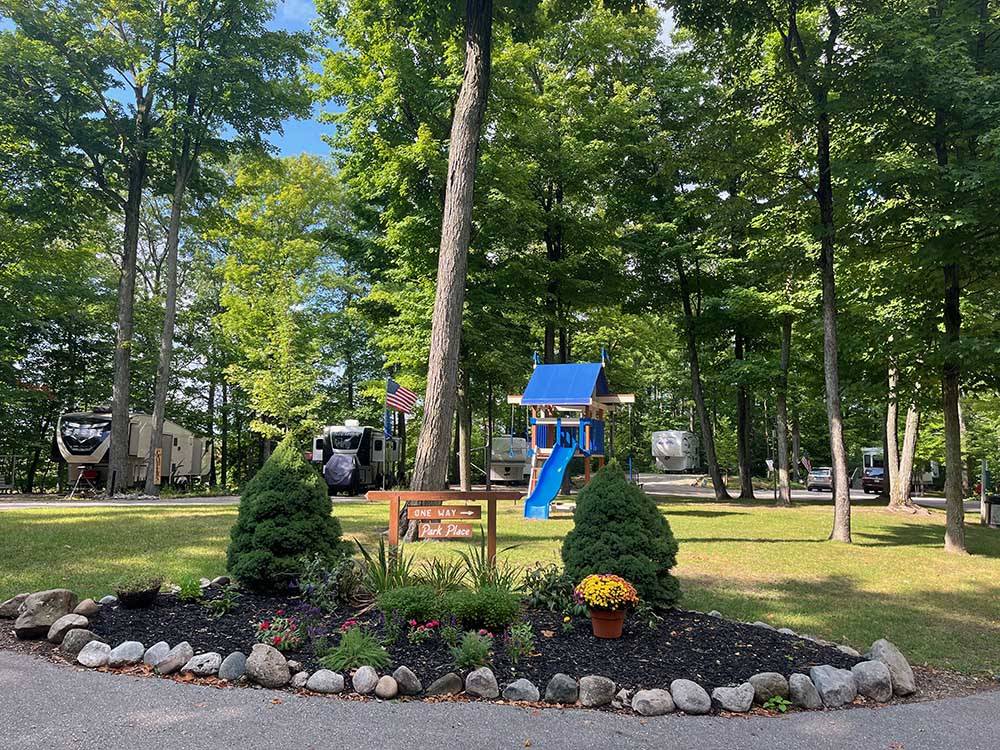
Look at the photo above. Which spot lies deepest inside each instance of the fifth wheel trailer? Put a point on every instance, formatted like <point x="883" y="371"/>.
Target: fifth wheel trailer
<point x="353" y="457"/>
<point x="675" y="450"/>
<point x="83" y="441"/>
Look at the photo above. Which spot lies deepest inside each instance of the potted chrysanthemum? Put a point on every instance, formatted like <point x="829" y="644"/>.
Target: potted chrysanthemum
<point x="607" y="597"/>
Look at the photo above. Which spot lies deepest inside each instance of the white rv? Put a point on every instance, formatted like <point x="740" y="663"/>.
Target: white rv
<point x="509" y="462"/>
<point x="354" y="458"/>
<point x="675" y="450"/>
<point x="83" y="441"/>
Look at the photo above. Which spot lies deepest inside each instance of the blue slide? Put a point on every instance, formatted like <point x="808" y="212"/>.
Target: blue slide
<point x="550" y="480"/>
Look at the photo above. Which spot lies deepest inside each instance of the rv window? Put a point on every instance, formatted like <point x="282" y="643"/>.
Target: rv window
<point x="346" y="441"/>
<point x="378" y="445"/>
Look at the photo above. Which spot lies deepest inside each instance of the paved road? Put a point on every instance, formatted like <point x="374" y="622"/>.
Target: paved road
<point x="47" y="707"/>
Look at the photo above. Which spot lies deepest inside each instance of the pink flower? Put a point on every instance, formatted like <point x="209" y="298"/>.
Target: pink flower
<point x="277" y="640"/>
<point x="413" y="623"/>
<point x="280" y="612"/>
<point x="265" y="625"/>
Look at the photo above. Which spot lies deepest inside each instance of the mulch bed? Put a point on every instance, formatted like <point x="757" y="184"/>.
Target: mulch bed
<point x="692" y="645"/>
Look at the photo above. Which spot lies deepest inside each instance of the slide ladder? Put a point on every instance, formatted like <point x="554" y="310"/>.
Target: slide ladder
<point x="549" y="482"/>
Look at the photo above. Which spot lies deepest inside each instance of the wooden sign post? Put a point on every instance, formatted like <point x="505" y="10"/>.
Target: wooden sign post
<point x="440" y="521"/>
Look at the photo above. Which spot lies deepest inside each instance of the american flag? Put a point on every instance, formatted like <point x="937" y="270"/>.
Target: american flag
<point x="399" y="398"/>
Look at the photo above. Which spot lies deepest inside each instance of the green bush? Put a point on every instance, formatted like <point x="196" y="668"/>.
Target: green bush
<point x="473" y="651"/>
<point x="618" y="529"/>
<point x="357" y="648"/>
<point x="285" y="513"/>
<point x="490" y="608"/>
<point x="420" y="603"/>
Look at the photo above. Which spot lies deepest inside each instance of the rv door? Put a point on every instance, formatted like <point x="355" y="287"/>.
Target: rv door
<point x="317" y="452"/>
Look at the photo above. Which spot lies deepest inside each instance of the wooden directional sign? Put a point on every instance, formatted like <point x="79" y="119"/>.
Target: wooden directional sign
<point x="443" y="512"/>
<point x="445" y="530"/>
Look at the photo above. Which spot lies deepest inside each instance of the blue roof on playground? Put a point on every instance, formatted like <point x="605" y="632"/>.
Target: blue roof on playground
<point x="565" y="385"/>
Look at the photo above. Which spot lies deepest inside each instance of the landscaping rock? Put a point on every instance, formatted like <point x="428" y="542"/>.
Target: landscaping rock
<point x="903" y="682"/>
<point x="787" y="631"/>
<point x="622" y="698"/>
<point x="126" y="654"/>
<point x="203" y="665"/>
<point x="596" y="690"/>
<point x="652" y="702"/>
<point x="299" y="680"/>
<point x="174" y="659"/>
<point x="294" y="666"/>
<point x="109" y="599"/>
<point x="690" y="697"/>
<point x="204" y="583"/>
<point x="734" y="699"/>
<point x="325" y="681"/>
<point x="802" y="692"/>
<point x="87" y="608"/>
<point x="220" y="581"/>
<point x="386" y="688"/>
<point x="836" y="687"/>
<point x="761" y="624"/>
<point x="521" y="690"/>
<point x="65" y="624"/>
<point x="11" y="608"/>
<point x="155" y="653"/>
<point x="482" y="683"/>
<point x="266" y="666"/>
<point x="449" y="684"/>
<point x="364" y="680"/>
<point x="94" y="654"/>
<point x="40" y="610"/>
<point x="873" y="680"/>
<point x="233" y="666"/>
<point x="848" y="650"/>
<point x="715" y="613"/>
<point x="409" y="683"/>
<point x="75" y="640"/>
<point x="561" y="688"/>
<point x="766" y="685"/>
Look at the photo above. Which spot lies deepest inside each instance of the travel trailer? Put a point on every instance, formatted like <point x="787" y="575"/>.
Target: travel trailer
<point x="510" y="462"/>
<point x="675" y="450"/>
<point x="353" y="458"/>
<point x="925" y="473"/>
<point x="83" y="441"/>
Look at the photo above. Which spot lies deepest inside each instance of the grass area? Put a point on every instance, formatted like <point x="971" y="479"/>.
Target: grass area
<point x="748" y="561"/>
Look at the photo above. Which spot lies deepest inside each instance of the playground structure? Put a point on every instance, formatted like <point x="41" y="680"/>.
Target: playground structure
<point x="568" y="404"/>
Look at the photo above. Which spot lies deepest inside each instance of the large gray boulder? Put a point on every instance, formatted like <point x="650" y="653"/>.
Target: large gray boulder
<point x="364" y="680"/>
<point x="596" y="691"/>
<point x="74" y="641"/>
<point x="65" y="624"/>
<point x="903" y="681"/>
<point x="268" y="667"/>
<point x="203" y="665"/>
<point x="735" y="699"/>
<point x="325" y="681"/>
<point x="482" y="683"/>
<point x="873" y="679"/>
<point x="175" y="658"/>
<point x="94" y="654"/>
<point x="87" y="608"/>
<point x="233" y="666"/>
<point x="409" y="683"/>
<point x="767" y="685"/>
<point x="11" y="608"/>
<point x="690" y="697"/>
<point x="652" y="702"/>
<point x="561" y="688"/>
<point x="155" y="652"/>
<point x="521" y="690"/>
<point x="836" y="687"/>
<point x="40" y="610"/>
<point x="448" y="684"/>
<point x="126" y="654"/>
<point x="802" y="692"/>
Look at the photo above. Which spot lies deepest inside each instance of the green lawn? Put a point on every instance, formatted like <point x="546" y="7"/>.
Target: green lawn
<point x="749" y="562"/>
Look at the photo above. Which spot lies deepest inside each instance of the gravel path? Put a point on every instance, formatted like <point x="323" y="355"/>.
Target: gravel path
<point x="48" y="707"/>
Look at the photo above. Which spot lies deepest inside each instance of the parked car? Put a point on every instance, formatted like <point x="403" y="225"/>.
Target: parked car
<point x="820" y="478"/>
<point x="873" y="480"/>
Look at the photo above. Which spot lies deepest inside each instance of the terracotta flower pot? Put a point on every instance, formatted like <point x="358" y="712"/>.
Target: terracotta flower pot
<point x="607" y="623"/>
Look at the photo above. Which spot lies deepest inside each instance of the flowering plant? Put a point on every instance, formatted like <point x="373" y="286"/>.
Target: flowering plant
<point x="284" y="633"/>
<point x="420" y="632"/>
<point x="605" y="591"/>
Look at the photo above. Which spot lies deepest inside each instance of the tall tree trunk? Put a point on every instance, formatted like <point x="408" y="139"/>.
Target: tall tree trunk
<point x="119" y="477"/>
<point x="841" y="531"/>
<point x="743" y="428"/>
<point x="707" y="431"/>
<point x="892" y="435"/>
<point x="781" y="413"/>
<point x="212" y="478"/>
<point x="954" y="535"/>
<point x="900" y="498"/>
<point x="224" y="453"/>
<point x="182" y="173"/>
<point x="796" y="446"/>
<point x="431" y="464"/>
<point x="464" y="434"/>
